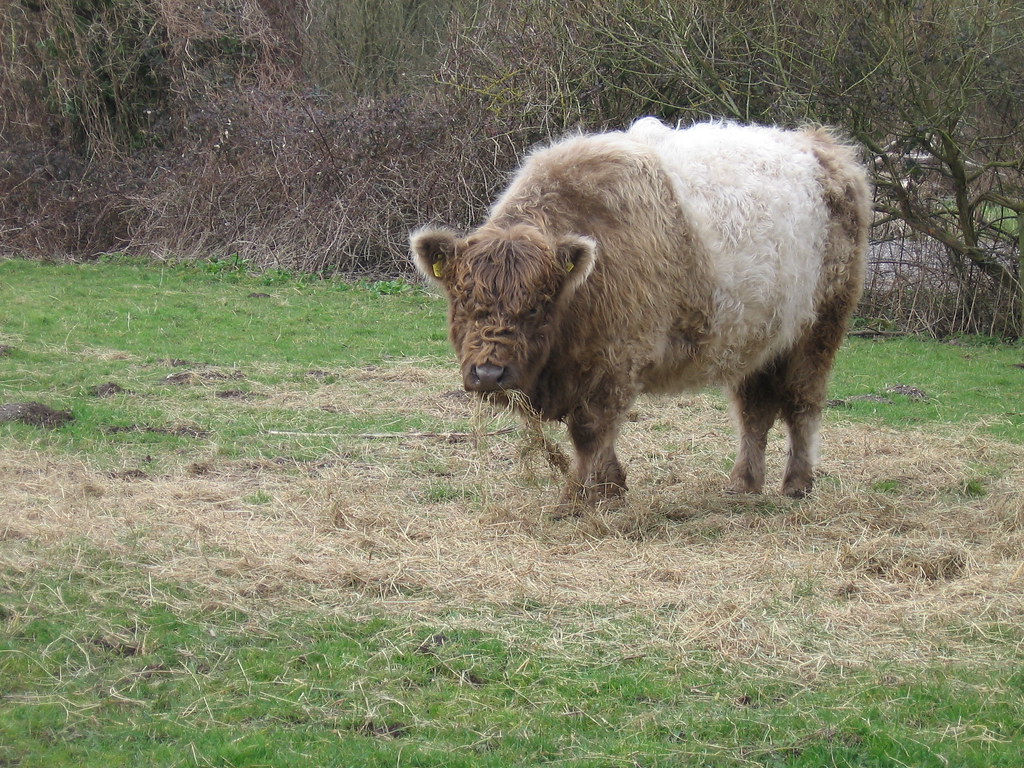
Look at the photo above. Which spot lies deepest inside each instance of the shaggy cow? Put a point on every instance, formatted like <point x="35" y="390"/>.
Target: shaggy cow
<point x="662" y="260"/>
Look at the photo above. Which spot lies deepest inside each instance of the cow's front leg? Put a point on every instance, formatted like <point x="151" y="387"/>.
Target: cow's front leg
<point x="598" y="476"/>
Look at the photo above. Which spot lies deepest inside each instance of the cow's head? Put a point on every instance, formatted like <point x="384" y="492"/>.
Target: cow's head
<point x="506" y="289"/>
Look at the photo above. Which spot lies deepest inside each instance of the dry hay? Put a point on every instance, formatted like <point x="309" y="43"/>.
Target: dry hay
<point x="887" y="558"/>
<point x="849" y="576"/>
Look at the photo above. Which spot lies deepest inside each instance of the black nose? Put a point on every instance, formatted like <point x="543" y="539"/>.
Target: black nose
<point x="485" y="378"/>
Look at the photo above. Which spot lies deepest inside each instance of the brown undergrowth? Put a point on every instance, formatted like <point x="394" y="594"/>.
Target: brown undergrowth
<point x="911" y="544"/>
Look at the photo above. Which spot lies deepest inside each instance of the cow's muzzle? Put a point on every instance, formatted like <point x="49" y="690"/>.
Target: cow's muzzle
<point x="486" y="378"/>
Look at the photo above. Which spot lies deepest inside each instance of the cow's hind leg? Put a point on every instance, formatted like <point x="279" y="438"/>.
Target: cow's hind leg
<point x="804" y="378"/>
<point x="755" y="404"/>
<point x="803" y="418"/>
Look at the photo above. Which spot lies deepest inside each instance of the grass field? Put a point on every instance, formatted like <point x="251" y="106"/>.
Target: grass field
<point x="286" y="538"/>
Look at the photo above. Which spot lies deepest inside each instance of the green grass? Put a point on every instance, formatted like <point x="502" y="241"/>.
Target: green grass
<point x="973" y="383"/>
<point x="74" y="327"/>
<point x="104" y="666"/>
<point x="105" y="660"/>
<point x="161" y="312"/>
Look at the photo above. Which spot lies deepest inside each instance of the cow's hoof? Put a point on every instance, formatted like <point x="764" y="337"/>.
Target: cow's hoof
<point x="606" y="494"/>
<point x="573" y="503"/>
<point x="796" y="491"/>
<point x="568" y="511"/>
<point x="745" y="480"/>
<point x="797" y="485"/>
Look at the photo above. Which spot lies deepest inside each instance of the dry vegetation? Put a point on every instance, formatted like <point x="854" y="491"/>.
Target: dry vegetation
<point x="852" y="576"/>
<point x="296" y="135"/>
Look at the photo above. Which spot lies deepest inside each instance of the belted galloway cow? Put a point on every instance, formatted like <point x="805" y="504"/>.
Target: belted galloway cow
<point x="662" y="260"/>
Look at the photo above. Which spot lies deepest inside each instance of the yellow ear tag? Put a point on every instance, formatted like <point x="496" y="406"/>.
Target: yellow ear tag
<point x="570" y="267"/>
<point x="437" y="269"/>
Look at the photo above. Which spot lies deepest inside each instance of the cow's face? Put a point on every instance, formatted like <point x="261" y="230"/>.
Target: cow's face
<point x="506" y="289"/>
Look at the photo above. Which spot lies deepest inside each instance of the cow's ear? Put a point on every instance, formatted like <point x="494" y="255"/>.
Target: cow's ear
<point x="577" y="256"/>
<point x="432" y="250"/>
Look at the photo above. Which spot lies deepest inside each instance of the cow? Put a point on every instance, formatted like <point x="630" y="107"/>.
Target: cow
<point x="662" y="260"/>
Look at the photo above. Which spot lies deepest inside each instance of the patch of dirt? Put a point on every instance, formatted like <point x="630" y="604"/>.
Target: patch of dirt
<point x="201" y="375"/>
<point x="184" y="377"/>
<point x="35" y="414"/>
<point x="846" y="401"/>
<point x="432" y="642"/>
<point x="232" y="394"/>
<point x="907" y="391"/>
<point x="388" y="729"/>
<point x="128" y="474"/>
<point x="392" y="374"/>
<point x="109" y="390"/>
<point x="6" y="350"/>
<point x="117" y="644"/>
<point x="210" y="375"/>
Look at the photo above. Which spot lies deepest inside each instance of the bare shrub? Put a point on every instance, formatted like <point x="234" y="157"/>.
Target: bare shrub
<point x="371" y="47"/>
<point x="230" y="151"/>
<point x="53" y="202"/>
<point x="95" y="93"/>
<point x="111" y="76"/>
<point x="288" y="181"/>
<point x="940" y="111"/>
<point x="914" y="286"/>
<point x="313" y="135"/>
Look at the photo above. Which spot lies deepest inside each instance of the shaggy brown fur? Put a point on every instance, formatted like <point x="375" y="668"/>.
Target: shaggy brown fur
<point x="590" y="283"/>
